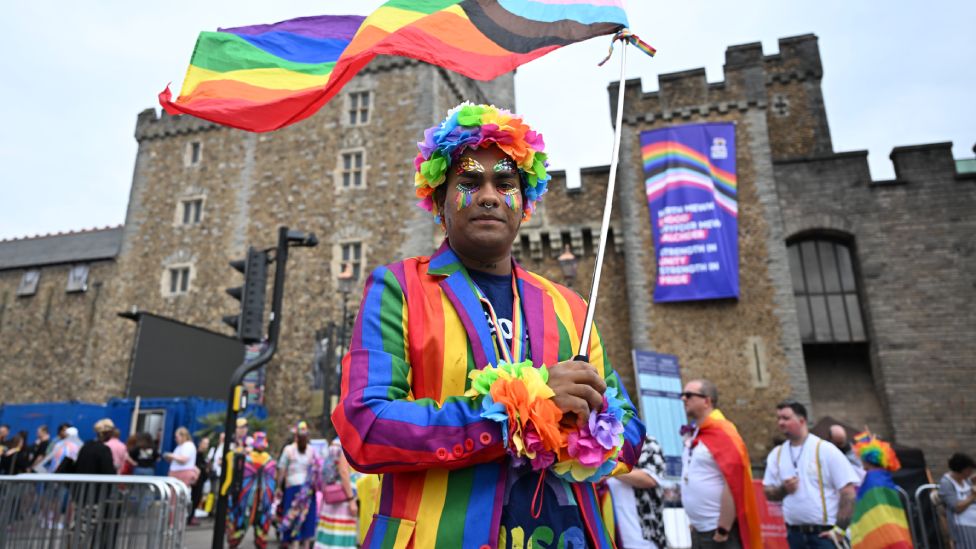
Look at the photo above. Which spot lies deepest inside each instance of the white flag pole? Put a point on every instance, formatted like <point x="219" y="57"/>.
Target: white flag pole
<point x="584" y="348"/>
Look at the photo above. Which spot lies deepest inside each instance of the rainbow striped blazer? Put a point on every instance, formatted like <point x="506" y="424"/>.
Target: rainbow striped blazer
<point x="420" y="330"/>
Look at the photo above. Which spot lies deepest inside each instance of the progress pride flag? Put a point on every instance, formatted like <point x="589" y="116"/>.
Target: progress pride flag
<point x="692" y="197"/>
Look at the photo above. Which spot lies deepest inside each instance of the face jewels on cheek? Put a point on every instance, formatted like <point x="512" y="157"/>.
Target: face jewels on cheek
<point x="464" y="196"/>
<point x="514" y="201"/>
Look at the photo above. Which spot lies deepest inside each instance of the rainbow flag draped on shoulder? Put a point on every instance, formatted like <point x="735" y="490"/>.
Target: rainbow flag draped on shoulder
<point x="730" y="453"/>
<point x="264" y="77"/>
<point x="879" y="519"/>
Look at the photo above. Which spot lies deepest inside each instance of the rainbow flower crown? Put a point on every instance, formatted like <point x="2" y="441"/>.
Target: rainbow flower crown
<point x="875" y="451"/>
<point x="474" y="126"/>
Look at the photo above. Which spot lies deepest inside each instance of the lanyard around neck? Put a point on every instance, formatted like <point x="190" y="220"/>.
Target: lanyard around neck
<point x="502" y="351"/>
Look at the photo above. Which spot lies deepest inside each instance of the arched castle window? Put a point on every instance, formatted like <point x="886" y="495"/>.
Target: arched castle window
<point x="825" y="288"/>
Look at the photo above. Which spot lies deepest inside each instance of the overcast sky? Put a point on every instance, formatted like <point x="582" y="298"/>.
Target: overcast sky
<point x="76" y="74"/>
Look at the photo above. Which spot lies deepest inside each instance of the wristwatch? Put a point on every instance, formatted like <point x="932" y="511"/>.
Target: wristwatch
<point x="722" y="531"/>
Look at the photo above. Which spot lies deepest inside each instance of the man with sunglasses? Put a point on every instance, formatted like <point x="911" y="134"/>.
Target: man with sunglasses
<point x="716" y="485"/>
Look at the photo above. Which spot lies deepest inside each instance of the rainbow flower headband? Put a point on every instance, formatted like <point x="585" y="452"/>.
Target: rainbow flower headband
<point x="875" y="451"/>
<point x="475" y="126"/>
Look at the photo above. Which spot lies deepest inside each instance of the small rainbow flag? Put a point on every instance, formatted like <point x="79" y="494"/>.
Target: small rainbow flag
<point x="264" y="77"/>
<point x="879" y="519"/>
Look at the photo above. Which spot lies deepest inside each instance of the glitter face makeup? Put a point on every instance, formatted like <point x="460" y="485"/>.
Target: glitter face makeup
<point x="470" y="165"/>
<point x="464" y="196"/>
<point x="510" y="192"/>
<point x="505" y="165"/>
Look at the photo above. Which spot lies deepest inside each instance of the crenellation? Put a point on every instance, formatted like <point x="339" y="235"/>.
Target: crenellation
<point x="917" y="163"/>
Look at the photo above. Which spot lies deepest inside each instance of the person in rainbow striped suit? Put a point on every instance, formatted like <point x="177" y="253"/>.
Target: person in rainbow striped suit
<point x="428" y="326"/>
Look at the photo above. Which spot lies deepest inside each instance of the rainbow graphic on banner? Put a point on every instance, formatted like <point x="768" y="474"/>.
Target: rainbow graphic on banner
<point x="675" y="164"/>
<point x="264" y="77"/>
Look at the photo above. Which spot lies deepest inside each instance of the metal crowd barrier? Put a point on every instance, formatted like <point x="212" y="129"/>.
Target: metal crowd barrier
<point x="44" y="511"/>
<point x="926" y="519"/>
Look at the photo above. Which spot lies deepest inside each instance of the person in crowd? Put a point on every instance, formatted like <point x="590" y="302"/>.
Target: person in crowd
<point x="62" y="457"/>
<point x="116" y="446"/>
<point x="337" y="519"/>
<point x="242" y="441"/>
<point x="40" y="447"/>
<point x="959" y="496"/>
<point x="144" y="455"/>
<point x="4" y="435"/>
<point x="879" y="520"/>
<point x="838" y="436"/>
<point x="16" y="458"/>
<point x="252" y="504"/>
<point x="95" y="457"/>
<point x="214" y="460"/>
<point x="813" y="479"/>
<point x="716" y="476"/>
<point x="203" y="469"/>
<point x="299" y="474"/>
<point x="410" y="408"/>
<point x="637" y="500"/>
<point x="183" y="461"/>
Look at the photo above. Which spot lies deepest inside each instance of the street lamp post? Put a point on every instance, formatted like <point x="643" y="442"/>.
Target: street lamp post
<point x="345" y="281"/>
<point x="568" y="263"/>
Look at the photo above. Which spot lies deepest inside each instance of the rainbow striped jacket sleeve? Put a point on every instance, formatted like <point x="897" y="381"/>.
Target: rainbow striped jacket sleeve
<point x="419" y="332"/>
<point x="383" y="426"/>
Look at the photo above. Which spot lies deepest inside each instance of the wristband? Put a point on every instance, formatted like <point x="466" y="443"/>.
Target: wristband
<point x="722" y="531"/>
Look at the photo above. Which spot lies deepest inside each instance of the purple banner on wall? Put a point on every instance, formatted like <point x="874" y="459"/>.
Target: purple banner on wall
<point x="691" y="193"/>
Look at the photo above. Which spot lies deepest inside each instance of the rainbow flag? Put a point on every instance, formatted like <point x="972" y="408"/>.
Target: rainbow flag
<point x="730" y="453"/>
<point x="879" y="519"/>
<point x="264" y="77"/>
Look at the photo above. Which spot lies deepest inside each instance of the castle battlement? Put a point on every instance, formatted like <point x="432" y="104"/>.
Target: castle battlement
<point x="748" y="72"/>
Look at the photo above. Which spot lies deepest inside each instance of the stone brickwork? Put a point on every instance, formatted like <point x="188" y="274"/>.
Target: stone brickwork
<point x="52" y="342"/>
<point x="913" y="239"/>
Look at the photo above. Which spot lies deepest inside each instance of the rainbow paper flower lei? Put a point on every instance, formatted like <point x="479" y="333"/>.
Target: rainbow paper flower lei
<point x="474" y="126"/>
<point x="518" y="397"/>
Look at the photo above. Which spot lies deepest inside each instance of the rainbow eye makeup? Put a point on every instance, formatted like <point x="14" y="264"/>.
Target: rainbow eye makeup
<point x="465" y="195"/>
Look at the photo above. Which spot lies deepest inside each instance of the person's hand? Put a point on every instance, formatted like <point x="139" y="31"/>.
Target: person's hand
<point x="835" y="534"/>
<point x="791" y="484"/>
<point x="168" y="456"/>
<point x="578" y="389"/>
<point x="353" y="506"/>
<point x="719" y="538"/>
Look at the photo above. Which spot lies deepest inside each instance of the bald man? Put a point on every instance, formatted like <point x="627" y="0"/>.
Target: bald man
<point x="838" y="436"/>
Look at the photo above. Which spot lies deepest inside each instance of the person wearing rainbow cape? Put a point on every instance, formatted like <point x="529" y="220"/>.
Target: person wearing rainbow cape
<point x="879" y="520"/>
<point x="716" y="476"/>
<point x="460" y="385"/>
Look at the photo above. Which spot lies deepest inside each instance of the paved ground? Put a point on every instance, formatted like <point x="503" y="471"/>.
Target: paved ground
<point x="201" y="537"/>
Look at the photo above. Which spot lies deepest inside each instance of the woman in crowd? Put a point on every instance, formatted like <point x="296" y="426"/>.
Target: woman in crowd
<point x="143" y="455"/>
<point x="956" y="491"/>
<point x="183" y="461"/>
<point x="16" y="459"/>
<point x="299" y="473"/>
<point x="337" y="520"/>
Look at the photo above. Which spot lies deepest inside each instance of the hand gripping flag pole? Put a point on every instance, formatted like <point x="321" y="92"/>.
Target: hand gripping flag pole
<point x="584" y="348"/>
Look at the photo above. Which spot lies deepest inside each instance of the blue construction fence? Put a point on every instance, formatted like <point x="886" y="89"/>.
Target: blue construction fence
<point x="177" y="412"/>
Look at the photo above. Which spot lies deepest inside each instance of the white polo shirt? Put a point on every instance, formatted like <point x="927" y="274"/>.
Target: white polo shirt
<point x="701" y="488"/>
<point x="806" y="506"/>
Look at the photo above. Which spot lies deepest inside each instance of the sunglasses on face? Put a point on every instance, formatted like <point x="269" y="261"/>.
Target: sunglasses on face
<point x="689" y="394"/>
